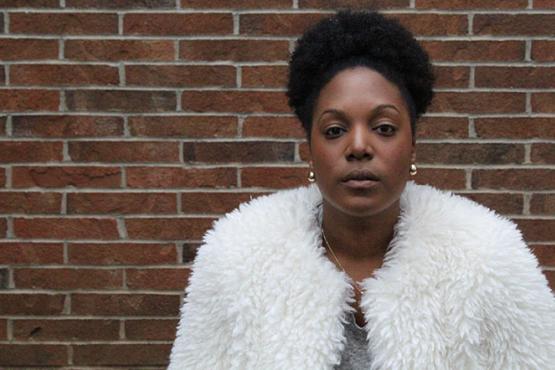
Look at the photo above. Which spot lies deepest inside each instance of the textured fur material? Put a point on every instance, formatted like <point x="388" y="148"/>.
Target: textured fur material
<point x="458" y="290"/>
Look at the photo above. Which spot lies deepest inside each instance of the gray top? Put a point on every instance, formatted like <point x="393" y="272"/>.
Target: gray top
<point x="355" y="355"/>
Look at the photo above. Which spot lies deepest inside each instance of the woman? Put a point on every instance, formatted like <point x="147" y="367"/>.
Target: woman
<point x="364" y="269"/>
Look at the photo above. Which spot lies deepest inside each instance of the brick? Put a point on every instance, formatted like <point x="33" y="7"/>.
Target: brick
<point x="545" y="254"/>
<point x="501" y="202"/>
<point x="283" y="24"/>
<point x="471" y="4"/>
<point x="234" y="101"/>
<point x="543" y="4"/>
<point x="542" y="204"/>
<point x="28" y="49"/>
<point x="15" y="253"/>
<point x="121" y="4"/>
<point x="158" y="279"/>
<point x="474" y="51"/>
<point x="543" y="102"/>
<point x="515" y="127"/>
<point x="447" y="153"/>
<point x="124" y="304"/>
<point x="124" y="151"/>
<point x="63" y="176"/>
<point x="235" y="4"/>
<point x="3" y="228"/>
<point x="177" y="23"/>
<point x="30" y="203"/>
<point x="451" y="77"/>
<point x="443" y="178"/>
<point x="515" y="77"/>
<point x="217" y="203"/>
<point x="30" y="4"/>
<point x="244" y="152"/>
<point x="2" y="71"/>
<point x="183" y="126"/>
<point x="121" y="100"/>
<point x="3" y="126"/>
<point x="514" y="24"/>
<point x="67" y="279"/>
<point x="65" y="329"/>
<point x="64" y="23"/>
<point x="3" y="329"/>
<point x="537" y="230"/>
<point x="33" y="354"/>
<point x="479" y="102"/>
<point x="264" y="76"/>
<point x="180" y="76"/>
<point x="273" y="177"/>
<point x="167" y="228"/>
<point x="177" y="177"/>
<point x="63" y="74"/>
<point x="121" y="203"/>
<point x="65" y="228"/>
<point x="281" y="127"/>
<point x="550" y="276"/>
<point x="66" y="126"/>
<point x="543" y="50"/>
<point x="514" y="179"/>
<point x="434" y="24"/>
<point x="442" y="128"/>
<point x="121" y="254"/>
<point x="543" y="153"/>
<point x="120" y="50"/>
<point x="234" y="50"/>
<point x="4" y="278"/>
<point x="189" y="251"/>
<point x="150" y="329"/>
<point x="30" y="151"/>
<point x="121" y="354"/>
<point x="2" y="177"/>
<point x="364" y="4"/>
<point x="12" y="100"/>
<point x="35" y="304"/>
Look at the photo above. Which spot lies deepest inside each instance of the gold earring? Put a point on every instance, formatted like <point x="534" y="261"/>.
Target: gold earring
<point x="413" y="170"/>
<point x="311" y="176"/>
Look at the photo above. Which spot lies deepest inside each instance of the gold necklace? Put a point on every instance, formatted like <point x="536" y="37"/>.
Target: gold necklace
<point x="355" y="283"/>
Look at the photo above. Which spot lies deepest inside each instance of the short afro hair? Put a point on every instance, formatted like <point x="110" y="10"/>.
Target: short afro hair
<point x="364" y="38"/>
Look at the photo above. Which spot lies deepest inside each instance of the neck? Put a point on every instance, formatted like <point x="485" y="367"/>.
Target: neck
<point x="359" y="238"/>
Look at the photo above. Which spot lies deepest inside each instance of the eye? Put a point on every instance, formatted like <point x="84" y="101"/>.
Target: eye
<point x="386" y="130"/>
<point x="333" y="131"/>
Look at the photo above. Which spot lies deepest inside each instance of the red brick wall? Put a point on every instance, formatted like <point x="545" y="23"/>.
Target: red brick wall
<point x="128" y="126"/>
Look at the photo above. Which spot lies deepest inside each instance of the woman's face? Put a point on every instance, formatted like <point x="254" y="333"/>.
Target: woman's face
<point x="361" y="144"/>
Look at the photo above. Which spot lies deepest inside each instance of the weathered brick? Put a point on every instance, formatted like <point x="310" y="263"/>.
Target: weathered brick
<point x="288" y="24"/>
<point x="121" y="203"/>
<point x="3" y="228"/>
<point x="543" y="153"/>
<point x="514" y="24"/>
<point x="515" y="77"/>
<point x="364" y="4"/>
<point x="63" y="74"/>
<point x="273" y="127"/>
<point x="173" y="228"/>
<point x="479" y="102"/>
<point x="67" y="279"/>
<point x="121" y="354"/>
<point x="245" y="152"/>
<point x="442" y="127"/>
<point x="150" y="329"/>
<point x="475" y="51"/>
<point x="514" y="179"/>
<point x="30" y="202"/>
<point x="121" y="100"/>
<point x="2" y="177"/>
<point x="62" y="176"/>
<point x="264" y="76"/>
<point x="64" y="23"/>
<point x="217" y="203"/>
<point x="470" y="153"/>
<point x="35" y="304"/>
<point x="545" y="254"/>
<point x="120" y="50"/>
<point x="543" y="50"/>
<point x="158" y="279"/>
<point x="543" y="4"/>
<point x="124" y="304"/>
<point x="30" y="4"/>
<point x="65" y="329"/>
<point x="3" y="329"/>
<point x="451" y="77"/>
<point x="443" y="178"/>
<point x="234" y="50"/>
<point x="234" y="101"/>
<point x="121" y="254"/>
<point x="543" y="102"/>
<point x="28" y="49"/>
<point x="183" y="126"/>
<point x="14" y="253"/>
<point x="177" y="23"/>
<point x="180" y="76"/>
<point x="30" y="151"/>
<point x="235" y="4"/>
<point x="124" y="151"/>
<point x="542" y="204"/>
<point x="2" y="71"/>
<point x="434" y="24"/>
<point x="33" y="354"/>
<point x="65" y="228"/>
<point x="121" y="4"/>
<point x="515" y="127"/>
<point x="537" y="230"/>
<point x="508" y="204"/>
<point x="66" y="126"/>
<point x="273" y="177"/>
<point x="177" y="177"/>
<point x="471" y="4"/>
<point x="2" y="126"/>
<point x="12" y="100"/>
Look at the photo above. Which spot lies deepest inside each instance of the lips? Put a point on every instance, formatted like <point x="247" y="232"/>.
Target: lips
<point x="360" y="175"/>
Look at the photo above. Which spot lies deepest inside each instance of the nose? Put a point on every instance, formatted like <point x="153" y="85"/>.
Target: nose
<point x="359" y="144"/>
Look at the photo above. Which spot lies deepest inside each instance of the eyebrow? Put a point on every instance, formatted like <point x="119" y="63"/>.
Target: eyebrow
<point x="375" y="111"/>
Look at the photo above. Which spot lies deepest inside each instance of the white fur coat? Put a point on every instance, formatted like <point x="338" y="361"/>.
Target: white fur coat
<point x="458" y="290"/>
